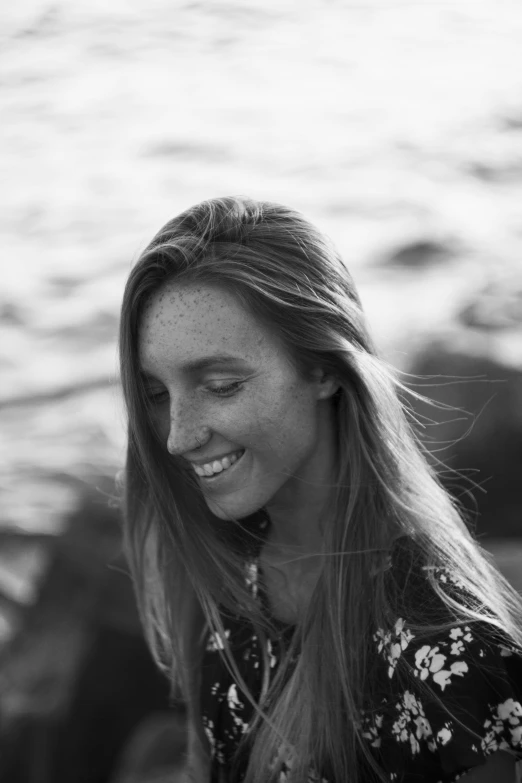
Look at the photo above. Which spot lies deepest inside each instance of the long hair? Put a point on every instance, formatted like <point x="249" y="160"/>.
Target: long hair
<point x="187" y="566"/>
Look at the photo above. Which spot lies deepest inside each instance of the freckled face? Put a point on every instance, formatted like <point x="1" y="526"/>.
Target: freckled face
<point x="277" y="418"/>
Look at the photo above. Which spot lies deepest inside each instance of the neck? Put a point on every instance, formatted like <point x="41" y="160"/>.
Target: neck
<point x="302" y="510"/>
<point x="295" y="535"/>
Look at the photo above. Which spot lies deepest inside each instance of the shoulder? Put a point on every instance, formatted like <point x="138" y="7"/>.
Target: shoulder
<point x="451" y="693"/>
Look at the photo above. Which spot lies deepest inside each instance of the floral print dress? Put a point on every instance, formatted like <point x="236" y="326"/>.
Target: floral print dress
<point x="476" y="674"/>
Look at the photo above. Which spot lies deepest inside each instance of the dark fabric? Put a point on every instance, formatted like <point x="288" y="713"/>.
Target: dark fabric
<point x="474" y="672"/>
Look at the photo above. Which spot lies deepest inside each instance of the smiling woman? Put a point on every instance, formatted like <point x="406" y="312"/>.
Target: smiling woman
<point x="265" y="411"/>
<point x="305" y="582"/>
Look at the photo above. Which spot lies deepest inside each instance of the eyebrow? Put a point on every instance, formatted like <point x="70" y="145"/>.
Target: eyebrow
<point x="215" y="360"/>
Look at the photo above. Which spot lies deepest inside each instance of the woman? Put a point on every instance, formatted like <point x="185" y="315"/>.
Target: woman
<point x="310" y="589"/>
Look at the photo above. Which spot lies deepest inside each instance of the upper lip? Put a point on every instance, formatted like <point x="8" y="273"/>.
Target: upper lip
<point x="210" y="460"/>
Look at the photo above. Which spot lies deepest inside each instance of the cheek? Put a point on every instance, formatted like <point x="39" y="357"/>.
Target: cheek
<point x="287" y="428"/>
<point x="254" y="428"/>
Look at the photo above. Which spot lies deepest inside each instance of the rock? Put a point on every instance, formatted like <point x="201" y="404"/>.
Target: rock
<point x="23" y="562"/>
<point x="78" y="678"/>
<point x="116" y="689"/>
<point x="155" y="751"/>
<point x="475" y="377"/>
<point x="507" y="553"/>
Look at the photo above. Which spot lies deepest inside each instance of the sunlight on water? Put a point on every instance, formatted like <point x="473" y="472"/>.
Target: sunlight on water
<point x="387" y="123"/>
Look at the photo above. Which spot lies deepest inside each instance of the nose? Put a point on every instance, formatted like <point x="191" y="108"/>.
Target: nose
<point x="184" y="427"/>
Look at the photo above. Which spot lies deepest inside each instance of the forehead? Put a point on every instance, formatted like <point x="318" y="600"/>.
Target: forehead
<point x="181" y="323"/>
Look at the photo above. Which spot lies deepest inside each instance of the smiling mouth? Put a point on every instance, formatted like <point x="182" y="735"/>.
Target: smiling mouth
<point x="215" y="476"/>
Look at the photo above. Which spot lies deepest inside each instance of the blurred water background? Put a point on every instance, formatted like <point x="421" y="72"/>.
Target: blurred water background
<point x="395" y="126"/>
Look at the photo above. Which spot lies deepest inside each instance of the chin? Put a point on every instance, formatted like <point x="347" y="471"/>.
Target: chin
<point x="234" y="510"/>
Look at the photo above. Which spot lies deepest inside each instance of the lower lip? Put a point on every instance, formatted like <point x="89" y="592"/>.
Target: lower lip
<point x="220" y="478"/>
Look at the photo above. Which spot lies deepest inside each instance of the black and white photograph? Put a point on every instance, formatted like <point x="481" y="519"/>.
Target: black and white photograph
<point x="261" y="391"/>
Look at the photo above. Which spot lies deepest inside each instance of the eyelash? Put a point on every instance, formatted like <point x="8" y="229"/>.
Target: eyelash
<point x="221" y="391"/>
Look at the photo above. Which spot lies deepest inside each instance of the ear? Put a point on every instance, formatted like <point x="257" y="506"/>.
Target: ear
<point x="327" y="385"/>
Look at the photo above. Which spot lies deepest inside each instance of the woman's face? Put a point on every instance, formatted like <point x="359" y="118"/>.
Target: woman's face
<point x="282" y="424"/>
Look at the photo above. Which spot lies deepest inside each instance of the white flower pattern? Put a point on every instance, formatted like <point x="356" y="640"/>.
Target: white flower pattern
<point x="452" y="659"/>
<point x="412" y="724"/>
<point x="428" y="660"/>
<point x="391" y="644"/>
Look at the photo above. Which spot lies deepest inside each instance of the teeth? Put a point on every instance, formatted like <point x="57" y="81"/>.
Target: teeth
<point x="211" y="468"/>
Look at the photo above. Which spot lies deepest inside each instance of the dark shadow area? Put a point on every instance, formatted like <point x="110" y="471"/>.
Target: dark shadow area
<point x="78" y="680"/>
<point x="476" y="430"/>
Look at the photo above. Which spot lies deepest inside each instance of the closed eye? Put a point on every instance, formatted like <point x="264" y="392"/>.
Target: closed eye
<point x="226" y="390"/>
<point x="159" y="396"/>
